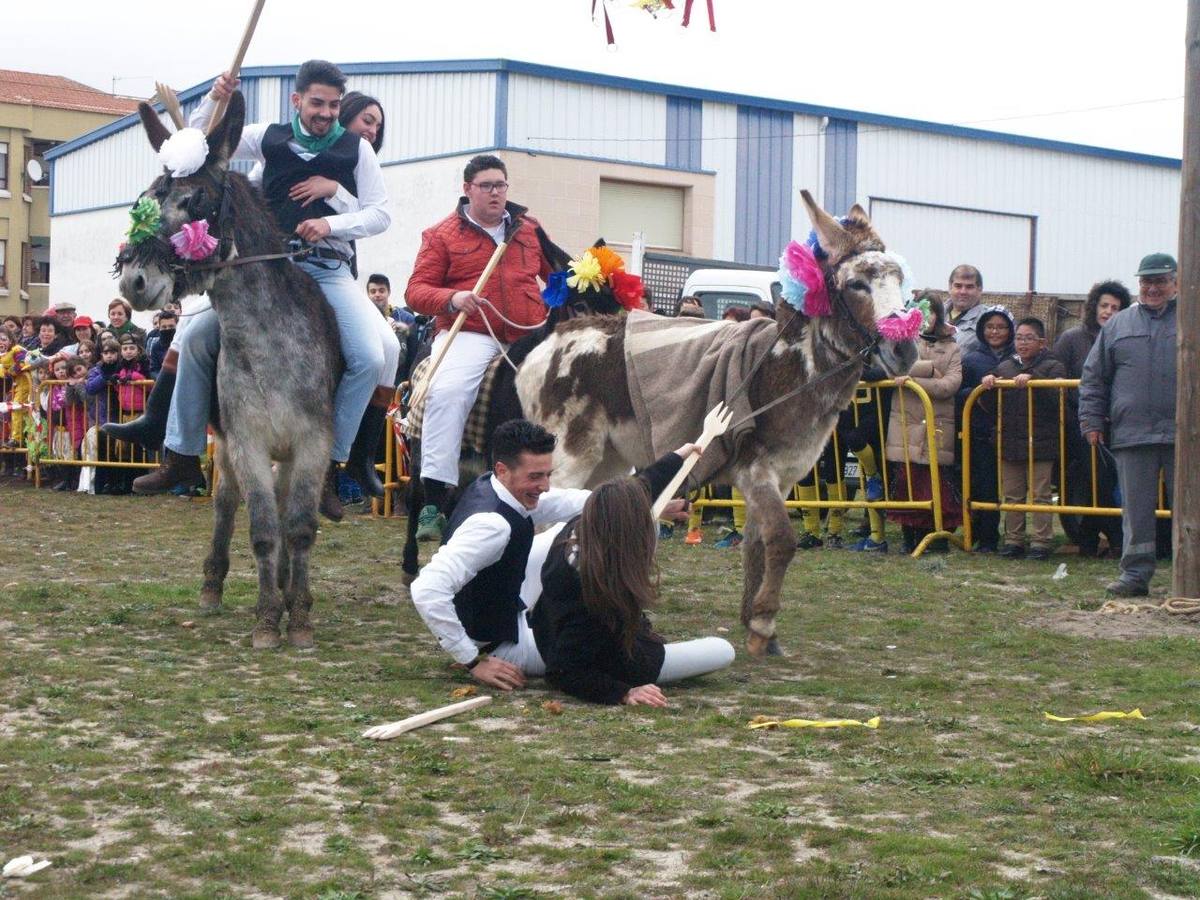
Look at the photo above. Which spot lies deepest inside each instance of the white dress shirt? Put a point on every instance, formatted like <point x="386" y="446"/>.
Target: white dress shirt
<point x="370" y="216"/>
<point x="476" y="544"/>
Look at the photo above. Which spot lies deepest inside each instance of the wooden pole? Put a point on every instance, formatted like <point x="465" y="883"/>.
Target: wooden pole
<point x="1186" y="505"/>
<point x="219" y="111"/>
<point x="395" y="729"/>
<point x="421" y="390"/>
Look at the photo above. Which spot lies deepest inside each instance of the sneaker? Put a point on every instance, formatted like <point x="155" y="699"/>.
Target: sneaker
<point x="430" y="524"/>
<point x="733" y="539"/>
<point x="866" y="545"/>
<point x="665" y="531"/>
<point x="833" y="542"/>
<point x="694" y="537"/>
<point x="874" y="489"/>
<point x="809" y="541"/>
<point x="1126" y="589"/>
<point x="985" y="548"/>
<point x="1039" y="554"/>
<point x="1011" y="551"/>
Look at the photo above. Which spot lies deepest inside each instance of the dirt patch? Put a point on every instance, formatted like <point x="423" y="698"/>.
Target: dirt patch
<point x="1116" y="626"/>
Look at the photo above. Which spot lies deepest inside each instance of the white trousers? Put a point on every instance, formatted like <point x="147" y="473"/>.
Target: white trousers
<point x="683" y="659"/>
<point x="449" y="401"/>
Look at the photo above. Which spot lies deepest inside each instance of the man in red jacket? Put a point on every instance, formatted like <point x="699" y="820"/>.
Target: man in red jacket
<point x="453" y="255"/>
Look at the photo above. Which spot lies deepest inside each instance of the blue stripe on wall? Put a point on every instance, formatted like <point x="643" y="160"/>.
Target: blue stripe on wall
<point x="685" y="128"/>
<point x="841" y="166"/>
<point x="764" y="185"/>
<point x="501" y="137"/>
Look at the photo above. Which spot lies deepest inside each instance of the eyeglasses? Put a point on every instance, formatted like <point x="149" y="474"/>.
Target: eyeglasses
<point x="1000" y="326"/>
<point x="492" y="187"/>
<point x="1026" y="338"/>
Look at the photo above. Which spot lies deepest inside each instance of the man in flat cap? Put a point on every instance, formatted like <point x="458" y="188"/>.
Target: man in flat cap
<point x="1127" y="402"/>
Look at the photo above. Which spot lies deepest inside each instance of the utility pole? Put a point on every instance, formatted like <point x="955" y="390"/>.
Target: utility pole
<point x="1186" y="505"/>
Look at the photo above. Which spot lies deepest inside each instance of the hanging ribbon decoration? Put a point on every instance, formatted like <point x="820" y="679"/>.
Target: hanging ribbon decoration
<point x="652" y="7"/>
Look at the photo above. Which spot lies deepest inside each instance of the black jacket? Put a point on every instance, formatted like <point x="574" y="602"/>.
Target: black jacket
<point x="583" y="656"/>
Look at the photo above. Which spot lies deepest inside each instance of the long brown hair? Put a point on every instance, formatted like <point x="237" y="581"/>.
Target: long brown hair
<point x="616" y="538"/>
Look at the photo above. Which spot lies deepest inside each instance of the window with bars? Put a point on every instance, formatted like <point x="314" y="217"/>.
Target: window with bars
<point x="3" y="166"/>
<point x="3" y="265"/>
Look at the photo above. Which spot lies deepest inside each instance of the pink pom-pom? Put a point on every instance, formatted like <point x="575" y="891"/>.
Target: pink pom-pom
<point x="193" y="242"/>
<point x="805" y="269"/>
<point x="904" y="327"/>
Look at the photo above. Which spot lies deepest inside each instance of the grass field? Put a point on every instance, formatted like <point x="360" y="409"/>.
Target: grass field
<point x="149" y="752"/>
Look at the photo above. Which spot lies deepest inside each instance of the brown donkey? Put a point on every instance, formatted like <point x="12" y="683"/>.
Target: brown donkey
<point x="275" y="387"/>
<point x="577" y="384"/>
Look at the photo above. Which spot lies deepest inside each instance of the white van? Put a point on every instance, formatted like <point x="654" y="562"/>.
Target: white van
<point x="719" y="289"/>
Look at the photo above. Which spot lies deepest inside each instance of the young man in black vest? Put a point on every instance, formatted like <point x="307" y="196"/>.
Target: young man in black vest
<point x="313" y="143"/>
<point x="470" y="592"/>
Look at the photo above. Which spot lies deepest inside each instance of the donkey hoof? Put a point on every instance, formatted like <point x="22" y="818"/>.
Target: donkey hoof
<point x="300" y="638"/>
<point x="264" y="638"/>
<point x="757" y="645"/>
<point x="407" y="578"/>
<point x="773" y="648"/>
<point x="210" y="602"/>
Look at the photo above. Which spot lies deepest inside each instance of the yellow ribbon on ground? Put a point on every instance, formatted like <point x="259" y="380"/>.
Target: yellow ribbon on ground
<point x="1096" y="717"/>
<point x="768" y="722"/>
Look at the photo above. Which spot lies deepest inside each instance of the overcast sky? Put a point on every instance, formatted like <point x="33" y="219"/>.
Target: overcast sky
<point x="1088" y="71"/>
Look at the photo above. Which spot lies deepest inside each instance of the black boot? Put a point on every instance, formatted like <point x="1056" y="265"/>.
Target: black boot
<point x="176" y="469"/>
<point x="150" y="427"/>
<point x="361" y="464"/>
<point x="331" y="505"/>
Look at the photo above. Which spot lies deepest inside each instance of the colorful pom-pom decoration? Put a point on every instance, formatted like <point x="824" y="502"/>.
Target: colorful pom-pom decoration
<point x="184" y="152"/>
<point x="144" y="220"/>
<point x="586" y="274"/>
<point x="802" y="280"/>
<point x="193" y="242"/>
<point x="556" y="290"/>
<point x="628" y="289"/>
<point x="904" y="327"/>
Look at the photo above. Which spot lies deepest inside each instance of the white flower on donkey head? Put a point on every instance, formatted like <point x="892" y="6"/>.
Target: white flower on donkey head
<point x="184" y="152"/>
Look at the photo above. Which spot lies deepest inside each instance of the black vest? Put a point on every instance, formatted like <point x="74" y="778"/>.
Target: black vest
<point x="488" y="605"/>
<point x="283" y="169"/>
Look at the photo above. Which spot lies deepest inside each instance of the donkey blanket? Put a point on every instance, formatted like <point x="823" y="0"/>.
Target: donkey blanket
<point x="668" y="359"/>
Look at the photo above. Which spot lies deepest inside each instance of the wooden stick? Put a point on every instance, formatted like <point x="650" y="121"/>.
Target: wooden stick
<point x="219" y="111"/>
<point x="170" y="102"/>
<point x="715" y="424"/>
<point x="394" y="729"/>
<point x="423" y="389"/>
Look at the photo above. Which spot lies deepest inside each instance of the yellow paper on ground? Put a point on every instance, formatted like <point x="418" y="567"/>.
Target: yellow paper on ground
<point x="1096" y="717"/>
<point x="766" y="722"/>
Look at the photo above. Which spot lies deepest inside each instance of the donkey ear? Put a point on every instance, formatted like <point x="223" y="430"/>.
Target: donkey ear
<point x="155" y="129"/>
<point x="858" y="215"/>
<point x="830" y="232"/>
<point x="224" y="140"/>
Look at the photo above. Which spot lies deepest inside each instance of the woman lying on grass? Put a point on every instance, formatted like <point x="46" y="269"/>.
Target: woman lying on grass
<point x="598" y="580"/>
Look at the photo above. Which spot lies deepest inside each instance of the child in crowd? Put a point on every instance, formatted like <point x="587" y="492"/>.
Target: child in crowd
<point x="100" y="379"/>
<point x="133" y="367"/>
<point x="54" y="404"/>
<point x="86" y="353"/>
<point x="16" y="366"/>
<point x="1032" y="360"/>
<point x="7" y="342"/>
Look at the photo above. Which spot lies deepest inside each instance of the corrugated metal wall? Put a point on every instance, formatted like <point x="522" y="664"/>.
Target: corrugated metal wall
<point x="685" y="133"/>
<point x="841" y="166"/>
<point x="807" y="170"/>
<point x="586" y="120"/>
<point x="110" y="172"/>
<point x="1096" y="217"/>
<point x="764" y="184"/>
<point x="720" y="155"/>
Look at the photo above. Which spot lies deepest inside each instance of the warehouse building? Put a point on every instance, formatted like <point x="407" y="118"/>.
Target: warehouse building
<point x="701" y="173"/>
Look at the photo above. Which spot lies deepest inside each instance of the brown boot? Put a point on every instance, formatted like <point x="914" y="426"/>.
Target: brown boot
<point x="177" y="469"/>
<point x="331" y="504"/>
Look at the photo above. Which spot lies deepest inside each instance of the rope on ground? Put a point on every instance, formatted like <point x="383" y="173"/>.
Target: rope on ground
<point x="1173" y="606"/>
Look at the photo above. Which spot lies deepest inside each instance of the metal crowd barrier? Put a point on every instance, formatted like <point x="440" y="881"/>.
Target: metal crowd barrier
<point x="1060" y="507"/>
<point x="395" y="468"/>
<point x="873" y="391"/>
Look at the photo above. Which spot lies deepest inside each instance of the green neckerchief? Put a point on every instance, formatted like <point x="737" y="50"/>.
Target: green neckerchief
<point x="316" y="144"/>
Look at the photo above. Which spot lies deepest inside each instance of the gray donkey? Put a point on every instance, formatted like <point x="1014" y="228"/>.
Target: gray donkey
<point x="274" y="386"/>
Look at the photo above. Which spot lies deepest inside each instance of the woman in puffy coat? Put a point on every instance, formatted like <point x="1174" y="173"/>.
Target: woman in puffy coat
<point x="938" y="371"/>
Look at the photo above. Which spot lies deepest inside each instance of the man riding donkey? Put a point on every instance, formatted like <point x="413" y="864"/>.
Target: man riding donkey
<point x="453" y="255"/>
<point x="313" y="144"/>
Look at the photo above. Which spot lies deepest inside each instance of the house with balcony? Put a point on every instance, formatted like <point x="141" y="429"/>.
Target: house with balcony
<point x="37" y="112"/>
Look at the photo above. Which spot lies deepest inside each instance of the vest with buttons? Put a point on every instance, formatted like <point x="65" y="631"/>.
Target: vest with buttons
<point x="283" y="169"/>
<point x="488" y="605"/>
